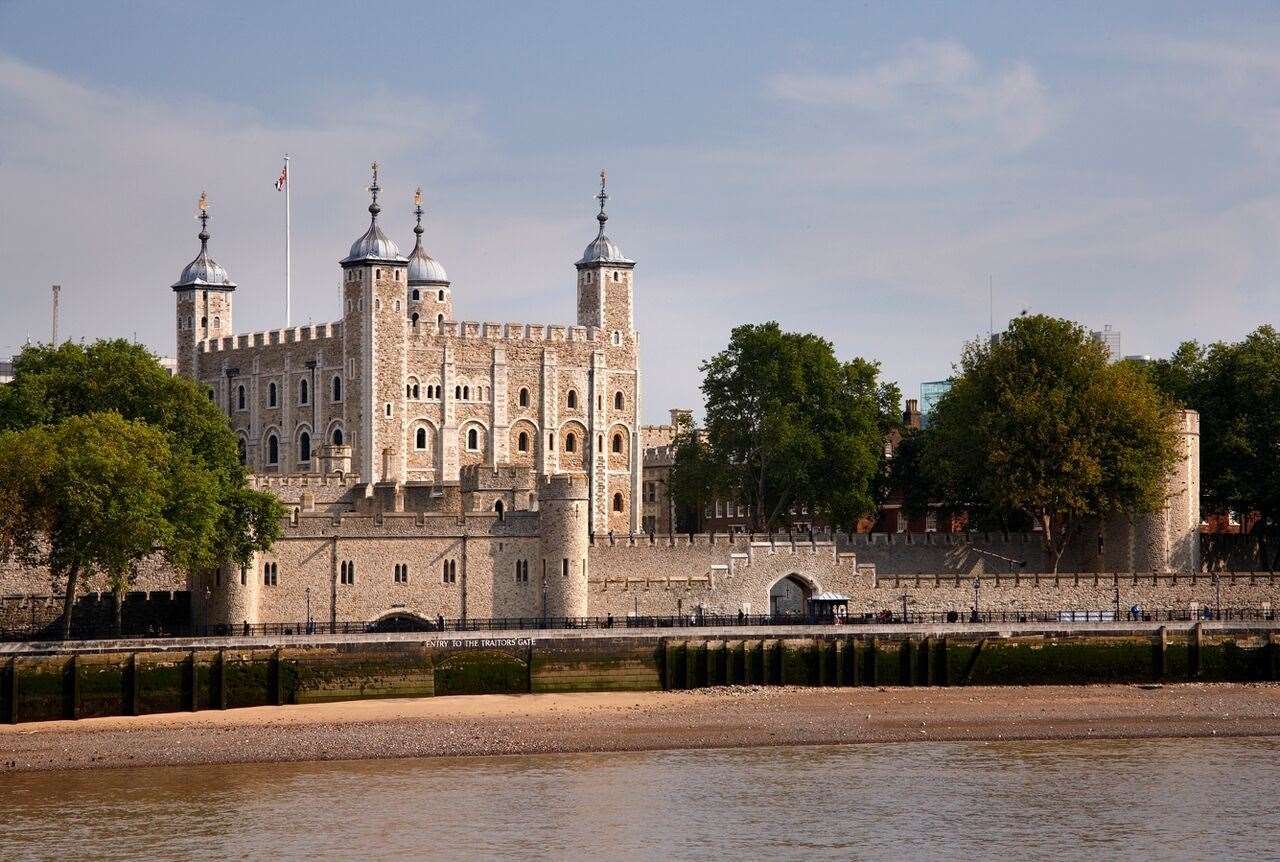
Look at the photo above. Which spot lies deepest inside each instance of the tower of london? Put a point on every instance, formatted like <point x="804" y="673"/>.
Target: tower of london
<point x="435" y="468"/>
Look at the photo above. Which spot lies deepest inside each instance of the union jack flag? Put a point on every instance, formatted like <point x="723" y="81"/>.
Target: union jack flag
<point x="284" y="179"/>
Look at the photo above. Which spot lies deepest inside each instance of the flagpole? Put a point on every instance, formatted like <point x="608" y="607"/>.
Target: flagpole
<point x="288" y="251"/>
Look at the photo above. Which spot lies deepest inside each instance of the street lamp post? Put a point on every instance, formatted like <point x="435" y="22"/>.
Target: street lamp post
<point x="208" y="594"/>
<point x="1217" y="596"/>
<point x="308" y="610"/>
<point x="1117" y="616"/>
<point x="977" y="584"/>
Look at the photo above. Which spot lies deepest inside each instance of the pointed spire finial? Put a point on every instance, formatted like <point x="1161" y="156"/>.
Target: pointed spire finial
<point x="602" y="197"/>
<point x="417" y="211"/>
<point x="374" y="209"/>
<point x="203" y="204"/>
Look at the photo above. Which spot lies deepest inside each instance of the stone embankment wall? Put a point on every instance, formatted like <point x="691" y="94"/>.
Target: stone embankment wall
<point x="93" y="680"/>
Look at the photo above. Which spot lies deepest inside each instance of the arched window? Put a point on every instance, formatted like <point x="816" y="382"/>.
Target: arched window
<point x="522" y="443"/>
<point x="466" y="393"/>
<point x="420" y="439"/>
<point x="337" y="388"/>
<point x="337" y="436"/>
<point x="239" y="397"/>
<point x="457" y="393"/>
<point x="497" y="507"/>
<point x="524" y="397"/>
<point x="440" y="296"/>
<point x="217" y="323"/>
<point x="439" y="320"/>
<point x="573" y="399"/>
<point x="302" y="392"/>
<point x="273" y="450"/>
<point x="241" y="450"/>
<point x="617" y="401"/>
<point x="617" y="443"/>
<point x="271" y="395"/>
<point x="617" y="502"/>
<point x="414" y="318"/>
<point x="204" y="323"/>
<point x="473" y="439"/>
<point x="417" y="295"/>
<point x="570" y="442"/>
<point x="551" y="440"/>
<point x="304" y="447"/>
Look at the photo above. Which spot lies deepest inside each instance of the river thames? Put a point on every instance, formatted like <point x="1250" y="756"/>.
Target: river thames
<point x="1063" y="800"/>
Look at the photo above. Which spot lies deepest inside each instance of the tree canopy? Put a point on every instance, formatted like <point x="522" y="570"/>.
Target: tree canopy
<point x="1038" y="424"/>
<point x="106" y="458"/>
<point x="1236" y="389"/>
<point x="786" y="423"/>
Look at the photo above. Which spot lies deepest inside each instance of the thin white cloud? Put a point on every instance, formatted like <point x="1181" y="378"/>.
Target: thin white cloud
<point x="936" y="89"/>
<point x="108" y="178"/>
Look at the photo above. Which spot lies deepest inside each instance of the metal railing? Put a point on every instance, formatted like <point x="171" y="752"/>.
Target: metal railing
<point x="441" y="625"/>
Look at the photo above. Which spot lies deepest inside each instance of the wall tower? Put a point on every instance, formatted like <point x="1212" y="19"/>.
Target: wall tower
<point x="562" y="525"/>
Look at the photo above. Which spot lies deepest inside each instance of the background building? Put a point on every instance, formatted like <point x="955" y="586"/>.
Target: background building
<point x="1109" y="338"/>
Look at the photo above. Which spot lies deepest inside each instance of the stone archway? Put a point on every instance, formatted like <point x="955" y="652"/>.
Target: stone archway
<point x="401" y="621"/>
<point x="789" y="596"/>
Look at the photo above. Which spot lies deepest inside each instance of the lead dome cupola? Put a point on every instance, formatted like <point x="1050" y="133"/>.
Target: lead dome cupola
<point x="373" y="244"/>
<point x="204" y="272"/>
<point x="423" y="268"/>
<point x="602" y="249"/>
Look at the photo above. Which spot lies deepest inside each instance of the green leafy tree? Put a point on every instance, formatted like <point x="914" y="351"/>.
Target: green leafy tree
<point x="697" y="476"/>
<point x="88" y="495"/>
<point x="1236" y="389"/>
<point x="1039" y="425"/>
<point x="210" y="514"/>
<point x="788" y="423"/>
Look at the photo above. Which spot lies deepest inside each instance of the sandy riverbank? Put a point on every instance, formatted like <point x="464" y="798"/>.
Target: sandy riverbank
<point x="705" y="718"/>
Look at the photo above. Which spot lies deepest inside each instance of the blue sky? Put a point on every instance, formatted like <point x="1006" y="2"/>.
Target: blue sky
<point x="863" y="171"/>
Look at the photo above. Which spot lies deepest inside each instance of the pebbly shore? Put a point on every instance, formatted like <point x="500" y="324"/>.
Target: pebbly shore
<point x="703" y="718"/>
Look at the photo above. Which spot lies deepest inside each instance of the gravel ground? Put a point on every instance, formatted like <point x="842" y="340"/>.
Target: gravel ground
<point x="704" y="718"/>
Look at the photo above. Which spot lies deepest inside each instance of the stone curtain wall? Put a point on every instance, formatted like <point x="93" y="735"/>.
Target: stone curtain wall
<point x="142" y="614"/>
<point x="935" y="571"/>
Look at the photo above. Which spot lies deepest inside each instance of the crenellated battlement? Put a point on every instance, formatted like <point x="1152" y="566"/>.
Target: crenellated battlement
<point x="291" y="335"/>
<point x="468" y="330"/>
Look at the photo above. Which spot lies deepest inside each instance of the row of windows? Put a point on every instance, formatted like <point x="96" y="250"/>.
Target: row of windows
<point x="400" y="572"/>
<point x="273" y="447"/>
<point x="589" y="276"/>
<point x="416" y="295"/>
<point x="412" y="390"/>
<point x="204" y="323"/>
<point x="354" y="274"/>
<point x="420" y="442"/>
<point x="273" y="394"/>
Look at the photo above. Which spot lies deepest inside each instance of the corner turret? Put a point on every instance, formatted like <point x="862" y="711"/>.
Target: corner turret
<point x="203" y="299"/>
<point x="430" y="297"/>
